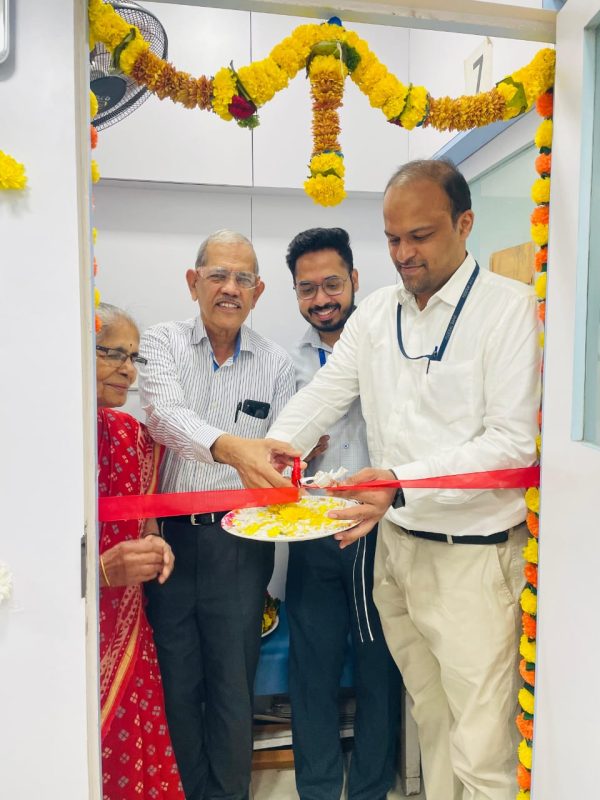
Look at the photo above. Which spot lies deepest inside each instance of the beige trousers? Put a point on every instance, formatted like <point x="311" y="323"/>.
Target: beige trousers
<point x="451" y="618"/>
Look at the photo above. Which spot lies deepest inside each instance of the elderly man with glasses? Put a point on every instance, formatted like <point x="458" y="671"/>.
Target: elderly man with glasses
<point x="210" y="387"/>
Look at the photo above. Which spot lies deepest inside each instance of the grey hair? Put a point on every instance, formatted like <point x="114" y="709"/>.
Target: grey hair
<point x="223" y="236"/>
<point x="108" y="315"/>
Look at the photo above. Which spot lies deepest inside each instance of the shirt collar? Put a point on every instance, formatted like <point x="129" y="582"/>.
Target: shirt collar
<point x="450" y="292"/>
<point x="244" y="339"/>
<point x="312" y="339"/>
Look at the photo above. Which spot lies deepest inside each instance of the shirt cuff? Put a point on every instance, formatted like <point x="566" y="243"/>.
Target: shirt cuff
<point x="201" y="446"/>
<point x="411" y="471"/>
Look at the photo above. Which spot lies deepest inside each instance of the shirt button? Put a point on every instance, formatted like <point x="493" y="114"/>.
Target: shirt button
<point x="346" y="445"/>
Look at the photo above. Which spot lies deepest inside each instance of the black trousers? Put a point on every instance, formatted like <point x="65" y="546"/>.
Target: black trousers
<point x="207" y="625"/>
<point x="329" y="593"/>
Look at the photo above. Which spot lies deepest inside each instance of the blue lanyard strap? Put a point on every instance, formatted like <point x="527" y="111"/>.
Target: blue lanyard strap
<point x="322" y="356"/>
<point x="438" y="352"/>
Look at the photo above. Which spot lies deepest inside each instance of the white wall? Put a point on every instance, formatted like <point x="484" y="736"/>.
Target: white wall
<point x="42" y="644"/>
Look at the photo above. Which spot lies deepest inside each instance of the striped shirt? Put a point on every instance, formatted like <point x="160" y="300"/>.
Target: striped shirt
<point x="348" y="436"/>
<point x="190" y="401"/>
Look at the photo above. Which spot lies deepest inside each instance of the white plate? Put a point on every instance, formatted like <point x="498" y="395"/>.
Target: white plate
<point x="272" y="628"/>
<point x="277" y="523"/>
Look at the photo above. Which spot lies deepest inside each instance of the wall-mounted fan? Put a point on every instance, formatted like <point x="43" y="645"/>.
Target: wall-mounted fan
<point x="118" y="95"/>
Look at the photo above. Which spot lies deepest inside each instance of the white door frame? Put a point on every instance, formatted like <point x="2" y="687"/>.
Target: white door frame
<point x="462" y="16"/>
<point x="568" y="645"/>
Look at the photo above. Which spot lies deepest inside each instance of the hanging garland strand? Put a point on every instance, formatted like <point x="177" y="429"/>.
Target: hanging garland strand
<point x="238" y="94"/>
<point x="327" y="75"/>
<point x="540" y="194"/>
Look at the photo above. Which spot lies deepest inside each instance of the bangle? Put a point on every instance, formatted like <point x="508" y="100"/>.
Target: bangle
<point x="103" y="568"/>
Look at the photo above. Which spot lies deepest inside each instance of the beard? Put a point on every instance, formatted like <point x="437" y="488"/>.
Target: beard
<point x="335" y="324"/>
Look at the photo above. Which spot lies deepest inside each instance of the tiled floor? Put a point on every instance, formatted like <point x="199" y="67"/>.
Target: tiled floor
<point x="274" y="784"/>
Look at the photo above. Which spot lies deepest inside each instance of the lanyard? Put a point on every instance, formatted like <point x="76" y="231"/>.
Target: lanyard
<point x="322" y="356"/>
<point x="438" y="352"/>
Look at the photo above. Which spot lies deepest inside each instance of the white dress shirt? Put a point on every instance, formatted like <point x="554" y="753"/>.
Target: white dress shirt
<point x="475" y="410"/>
<point x="348" y="436"/>
<point x="190" y="401"/>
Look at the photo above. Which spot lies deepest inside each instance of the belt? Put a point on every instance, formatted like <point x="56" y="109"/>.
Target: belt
<point x="493" y="538"/>
<point x="198" y="519"/>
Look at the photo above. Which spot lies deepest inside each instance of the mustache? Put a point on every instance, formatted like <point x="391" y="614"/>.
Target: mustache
<point x="326" y="307"/>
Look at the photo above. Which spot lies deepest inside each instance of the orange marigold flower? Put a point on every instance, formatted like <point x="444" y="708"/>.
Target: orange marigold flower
<point x="540" y="418"/>
<point x="541" y="258"/>
<point x="98" y="324"/>
<point x="533" y="522"/>
<point x="531" y="574"/>
<point x="203" y="91"/>
<point x="523" y="777"/>
<point x="95" y="267"/>
<point x="529" y="625"/>
<point x="543" y="164"/>
<point x="542" y="311"/>
<point x="93" y="137"/>
<point x="540" y="215"/>
<point x="544" y="105"/>
<point x="525" y="726"/>
<point x="466" y="112"/>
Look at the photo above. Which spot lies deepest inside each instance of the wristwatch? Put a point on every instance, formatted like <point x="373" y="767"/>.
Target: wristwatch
<point x="399" y="500"/>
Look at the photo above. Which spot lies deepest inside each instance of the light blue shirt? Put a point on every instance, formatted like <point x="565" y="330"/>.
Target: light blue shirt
<point x="348" y="436"/>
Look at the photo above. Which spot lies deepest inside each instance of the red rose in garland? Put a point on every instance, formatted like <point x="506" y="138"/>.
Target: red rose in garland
<point x="240" y="108"/>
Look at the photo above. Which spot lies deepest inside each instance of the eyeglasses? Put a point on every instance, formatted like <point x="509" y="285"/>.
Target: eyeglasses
<point x="220" y="276"/>
<point x="119" y="357"/>
<point x="332" y="286"/>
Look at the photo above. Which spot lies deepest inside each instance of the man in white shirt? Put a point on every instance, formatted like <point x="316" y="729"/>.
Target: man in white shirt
<point x="211" y="384"/>
<point x="329" y="591"/>
<point x="446" y="364"/>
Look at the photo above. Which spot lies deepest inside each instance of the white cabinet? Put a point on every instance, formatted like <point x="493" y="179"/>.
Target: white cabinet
<point x="163" y="141"/>
<point x="283" y="143"/>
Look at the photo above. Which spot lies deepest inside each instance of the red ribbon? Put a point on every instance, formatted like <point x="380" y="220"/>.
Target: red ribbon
<point x="135" y="506"/>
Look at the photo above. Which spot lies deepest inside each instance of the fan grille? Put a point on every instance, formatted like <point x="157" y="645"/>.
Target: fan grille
<point x="118" y="94"/>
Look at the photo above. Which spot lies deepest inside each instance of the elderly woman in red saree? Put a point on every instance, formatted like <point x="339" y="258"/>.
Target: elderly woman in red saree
<point x="137" y="755"/>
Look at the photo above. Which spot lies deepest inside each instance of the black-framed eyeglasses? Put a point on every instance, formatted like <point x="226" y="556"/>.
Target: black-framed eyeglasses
<point x="332" y="286"/>
<point x="119" y="357"/>
<point x="220" y="276"/>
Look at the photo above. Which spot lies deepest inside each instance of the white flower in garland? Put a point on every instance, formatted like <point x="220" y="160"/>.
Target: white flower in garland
<point x="6" y="582"/>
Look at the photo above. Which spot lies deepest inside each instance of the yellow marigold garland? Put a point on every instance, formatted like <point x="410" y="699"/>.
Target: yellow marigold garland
<point x="325" y="184"/>
<point x="535" y="90"/>
<point x="239" y="94"/>
<point x="12" y="173"/>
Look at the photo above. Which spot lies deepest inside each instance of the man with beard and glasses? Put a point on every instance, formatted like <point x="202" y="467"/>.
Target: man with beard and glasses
<point x="329" y="590"/>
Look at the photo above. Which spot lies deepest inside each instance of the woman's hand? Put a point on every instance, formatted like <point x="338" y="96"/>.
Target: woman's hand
<point x="137" y="561"/>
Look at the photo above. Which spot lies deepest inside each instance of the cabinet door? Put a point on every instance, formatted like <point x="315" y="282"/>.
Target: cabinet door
<point x="163" y="141"/>
<point x="283" y="142"/>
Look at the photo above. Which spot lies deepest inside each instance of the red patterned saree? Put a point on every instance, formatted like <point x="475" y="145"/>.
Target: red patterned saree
<point x="137" y="755"/>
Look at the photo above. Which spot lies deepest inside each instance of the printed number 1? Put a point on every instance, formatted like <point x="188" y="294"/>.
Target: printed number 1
<point x="478" y="64"/>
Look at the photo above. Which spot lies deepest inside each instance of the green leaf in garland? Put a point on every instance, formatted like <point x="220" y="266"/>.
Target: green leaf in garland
<point x="249" y="122"/>
<point x="519" y="101"/>
<point x="115" y="62"/>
